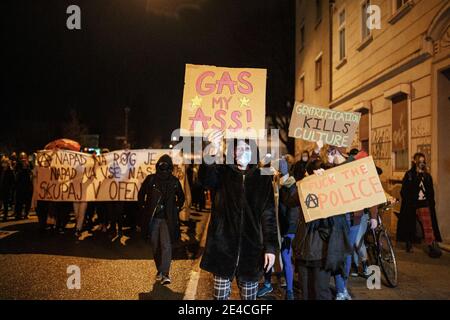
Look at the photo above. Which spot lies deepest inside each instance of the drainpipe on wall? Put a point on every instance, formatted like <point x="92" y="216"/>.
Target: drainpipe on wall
<point x="330" y="51"/>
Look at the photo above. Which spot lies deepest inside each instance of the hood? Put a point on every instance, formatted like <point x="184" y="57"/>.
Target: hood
<point x="164" y="158"/>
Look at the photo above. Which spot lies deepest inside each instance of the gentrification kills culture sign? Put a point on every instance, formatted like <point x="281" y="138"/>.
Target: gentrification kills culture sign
<point x="347" y="188"/>
<point x="73" y="176"/>
<point x="335" y="128"/>
<point x="230" y="99"/>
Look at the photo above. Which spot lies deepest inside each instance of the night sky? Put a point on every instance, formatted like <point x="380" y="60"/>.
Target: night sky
<point x="130" y="53"/>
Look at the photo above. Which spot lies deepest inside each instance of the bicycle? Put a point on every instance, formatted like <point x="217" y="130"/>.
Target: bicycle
<point x="380" y="249"/>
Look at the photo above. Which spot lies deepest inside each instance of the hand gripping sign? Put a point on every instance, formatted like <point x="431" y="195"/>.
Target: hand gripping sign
<point x="346" y="188"/>
<point x="311" y="123"/>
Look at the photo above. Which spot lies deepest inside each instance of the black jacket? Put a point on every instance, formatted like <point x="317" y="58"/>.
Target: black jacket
<point x="288" y="215"/>
<point x="6" y="182"/>
<point x="150" y="195"/>
<point x="322" y="243"/>
<point x="406" y="227"/>
<point x="243" y="224"/>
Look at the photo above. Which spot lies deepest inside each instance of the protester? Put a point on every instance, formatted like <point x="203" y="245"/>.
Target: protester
<point x="300" y="166"/>
<point x="320" y="246"/>
<point x="79" y="209"/>
<point x="288" y="221"/>
<point x="418" y="203"/>
<point x="160" y="199"/>
<point x="354" y="220"/>
<point x="242" y="234"/>
<point x="6" y="185"/>
<point x="23" y="187"/>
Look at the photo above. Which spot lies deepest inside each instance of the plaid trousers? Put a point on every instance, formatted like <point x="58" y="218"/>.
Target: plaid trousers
<point x="222" y="289"/>
<point x="424" y="216"/>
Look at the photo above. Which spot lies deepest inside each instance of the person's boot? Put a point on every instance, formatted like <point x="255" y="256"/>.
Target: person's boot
<point x="409" y="247"/>
<point x="365" y="270"/>
<point x="434" y="251"/>
<point x="266" y="288"/>
<point x="289" y="295"/>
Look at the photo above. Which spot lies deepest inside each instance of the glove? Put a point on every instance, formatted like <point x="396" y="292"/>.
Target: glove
<point x="373" y="224"/>
<point x="283" y="165"/>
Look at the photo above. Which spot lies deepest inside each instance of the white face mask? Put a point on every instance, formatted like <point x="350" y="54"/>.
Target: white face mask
<point x="305" y="159"/>
<point x="335" y="158"/>
<point x="339" y="159"/>
<point x="244" y="158"/>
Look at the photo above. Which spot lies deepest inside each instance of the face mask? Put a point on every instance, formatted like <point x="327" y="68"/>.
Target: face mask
<point x="163" y="166"/>
<point x="338" y="159"/>
<point x="244" y="158"/>
<point x="305" y="159"/>
<point x="422" y="165"/>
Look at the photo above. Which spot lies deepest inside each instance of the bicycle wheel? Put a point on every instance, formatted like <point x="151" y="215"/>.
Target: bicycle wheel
<point x="387" y="259"/>
<point x="371" y="247"/>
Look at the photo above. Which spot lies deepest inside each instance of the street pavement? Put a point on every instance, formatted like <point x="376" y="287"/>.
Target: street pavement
<point x="419" y="278"/>
<point x="34" y="266"/>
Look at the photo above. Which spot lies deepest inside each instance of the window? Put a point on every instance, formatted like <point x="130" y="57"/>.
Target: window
<point x="365" y="31"/>
<point x="318" y="11"/>
<point x="399" y="9"/>
<point x="302" y="36"/>
<point x="301" y="88"/>
<point x="400" y="136"/>
<point x="364" y="130"/>
<point x="319" y="72"/>
<point x="342" y="52"/>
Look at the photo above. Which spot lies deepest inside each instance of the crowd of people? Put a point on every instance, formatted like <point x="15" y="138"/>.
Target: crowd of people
<point x="244" y="235"/>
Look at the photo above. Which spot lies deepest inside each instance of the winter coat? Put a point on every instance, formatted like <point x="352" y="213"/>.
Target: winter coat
<point x="287" y="216"/>
<point x="323" y="243"/>
<point x="406" y="227"/>
<point x="6" y="182"/>
<point x="243" y="225"/>
<point x="150" y="197"/>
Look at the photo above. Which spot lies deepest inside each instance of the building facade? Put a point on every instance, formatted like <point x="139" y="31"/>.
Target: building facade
<point x="389" y="60"/>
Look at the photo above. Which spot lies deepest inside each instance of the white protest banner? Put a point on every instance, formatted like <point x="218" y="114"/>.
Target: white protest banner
<point x="229" y="99"/>
<point x="347" y="188"/>
<point x="311" y="123"/>
<point x="115" y="176"/>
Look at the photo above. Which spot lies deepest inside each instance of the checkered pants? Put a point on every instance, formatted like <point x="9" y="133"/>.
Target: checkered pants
<point x="222" y="289"/>
<point x="424" y="216"/>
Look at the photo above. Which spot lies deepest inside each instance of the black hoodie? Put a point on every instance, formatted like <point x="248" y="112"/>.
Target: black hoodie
<point x="161" y="196"/>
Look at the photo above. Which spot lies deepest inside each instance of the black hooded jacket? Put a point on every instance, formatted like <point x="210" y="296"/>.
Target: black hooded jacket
<point x="243" y="225"/>
<point x="161" y="195"/>
<point x="406" y="227"/>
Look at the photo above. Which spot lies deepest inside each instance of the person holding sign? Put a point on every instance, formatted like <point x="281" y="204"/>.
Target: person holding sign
<point x="320" y="247"/>
<point x="242" y="234"/>
<point x="160" y="199"/>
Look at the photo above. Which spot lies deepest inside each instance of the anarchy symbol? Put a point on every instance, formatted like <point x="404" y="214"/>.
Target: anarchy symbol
<point x="44" y="160"/>
<point x="312" y="201"/>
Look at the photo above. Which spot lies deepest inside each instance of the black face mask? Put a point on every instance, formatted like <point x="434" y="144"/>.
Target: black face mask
<point x="164" y="166"/>
<point x="422" y="165"/>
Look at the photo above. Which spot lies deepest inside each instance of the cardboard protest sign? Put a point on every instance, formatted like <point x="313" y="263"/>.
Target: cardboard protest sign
<point x="115" y="176"/>
<point x="347" y="188"/>
<point x="335" y="128"/>
<point x="216" y="98"/>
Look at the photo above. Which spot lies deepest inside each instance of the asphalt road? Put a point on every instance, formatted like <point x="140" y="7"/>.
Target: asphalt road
<point x="35" y="266"/>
